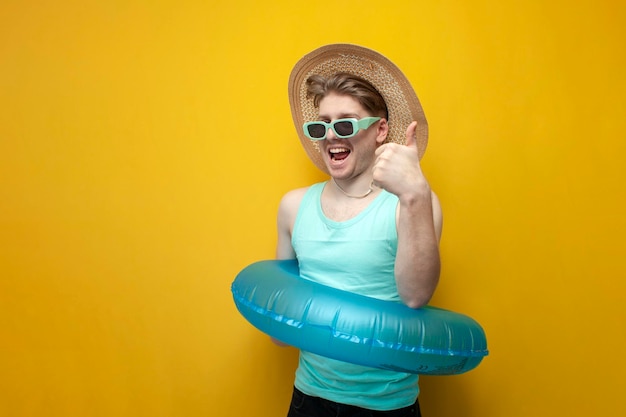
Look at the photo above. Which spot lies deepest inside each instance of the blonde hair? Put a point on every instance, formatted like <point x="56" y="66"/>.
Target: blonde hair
<point x="350" y="85"/>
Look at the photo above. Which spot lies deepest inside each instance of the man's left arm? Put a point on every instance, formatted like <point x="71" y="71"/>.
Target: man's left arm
<point x="419" y="219"/>
<point x="419" y="224"/>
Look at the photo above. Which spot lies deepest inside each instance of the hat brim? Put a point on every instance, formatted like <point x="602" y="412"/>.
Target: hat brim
<point x="402" y="103"/>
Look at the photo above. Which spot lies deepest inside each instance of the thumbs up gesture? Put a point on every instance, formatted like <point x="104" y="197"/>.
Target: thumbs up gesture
<point x="397" y="167"/>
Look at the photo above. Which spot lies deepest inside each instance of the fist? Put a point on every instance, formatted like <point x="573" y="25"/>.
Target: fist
<point x="397" y="167"/>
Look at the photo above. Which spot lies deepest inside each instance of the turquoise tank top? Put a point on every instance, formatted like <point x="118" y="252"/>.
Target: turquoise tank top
<point x="356" y="255"/>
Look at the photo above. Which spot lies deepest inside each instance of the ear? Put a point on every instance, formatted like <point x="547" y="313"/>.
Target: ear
<point x="383" y="131"/>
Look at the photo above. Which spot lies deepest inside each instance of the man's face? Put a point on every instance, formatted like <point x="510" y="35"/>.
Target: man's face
<point x="348" y="158"/>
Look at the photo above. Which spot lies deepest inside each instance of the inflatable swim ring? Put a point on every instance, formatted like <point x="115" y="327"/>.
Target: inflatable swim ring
<point x="354" y="328"/>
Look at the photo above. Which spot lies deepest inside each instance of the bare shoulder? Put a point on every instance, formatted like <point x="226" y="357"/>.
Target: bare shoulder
<point x="290" y="202"/>
<point x="287" y="213"/>
<point x="288" y="208"/>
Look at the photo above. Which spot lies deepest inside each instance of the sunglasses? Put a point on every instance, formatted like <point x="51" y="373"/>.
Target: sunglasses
<point x="343" y="128"/>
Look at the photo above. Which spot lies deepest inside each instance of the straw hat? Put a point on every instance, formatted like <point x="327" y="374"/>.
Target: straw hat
<point x="402" y="102"/>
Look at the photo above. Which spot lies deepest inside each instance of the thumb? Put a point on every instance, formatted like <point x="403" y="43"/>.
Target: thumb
<point x="410" y="135"/>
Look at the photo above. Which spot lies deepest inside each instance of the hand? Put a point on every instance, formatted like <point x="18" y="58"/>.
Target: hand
<point x="397" y="167"/>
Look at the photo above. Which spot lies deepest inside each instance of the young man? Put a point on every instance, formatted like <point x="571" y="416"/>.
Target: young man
<point x="373" y="228"/>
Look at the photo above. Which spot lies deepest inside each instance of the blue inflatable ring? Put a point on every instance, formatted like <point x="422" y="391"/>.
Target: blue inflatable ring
<point x="354" y="328"/>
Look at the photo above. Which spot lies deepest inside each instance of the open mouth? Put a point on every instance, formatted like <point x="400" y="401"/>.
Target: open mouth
<point x="338" y="154"/>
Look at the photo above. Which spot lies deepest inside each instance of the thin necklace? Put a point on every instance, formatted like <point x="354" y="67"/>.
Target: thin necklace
<point x="353" y="196"/>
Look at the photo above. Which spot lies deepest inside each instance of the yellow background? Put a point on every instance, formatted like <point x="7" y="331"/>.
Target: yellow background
<point x="144" y="146"/>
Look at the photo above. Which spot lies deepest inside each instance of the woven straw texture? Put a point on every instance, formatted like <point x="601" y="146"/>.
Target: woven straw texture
<point x="402" y="102"/>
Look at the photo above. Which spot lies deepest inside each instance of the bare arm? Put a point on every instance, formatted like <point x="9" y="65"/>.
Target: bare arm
<point x="287" y="211"/>
<point x="419" y="220"/>
<point x="417" y="268"/>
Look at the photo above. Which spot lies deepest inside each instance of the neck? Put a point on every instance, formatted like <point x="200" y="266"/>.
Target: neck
<point x="357" y="196"/>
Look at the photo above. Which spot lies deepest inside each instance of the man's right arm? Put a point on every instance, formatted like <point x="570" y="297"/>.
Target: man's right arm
<point x="287" y="211"/>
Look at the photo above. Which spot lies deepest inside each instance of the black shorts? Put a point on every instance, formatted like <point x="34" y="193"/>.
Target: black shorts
<point x="303" y="405"/>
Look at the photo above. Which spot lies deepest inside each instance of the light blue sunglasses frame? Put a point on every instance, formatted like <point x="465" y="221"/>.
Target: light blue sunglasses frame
<point x="357" y="125"/>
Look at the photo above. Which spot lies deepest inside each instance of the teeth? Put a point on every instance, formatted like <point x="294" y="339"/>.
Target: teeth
<point x="337" y="150"/>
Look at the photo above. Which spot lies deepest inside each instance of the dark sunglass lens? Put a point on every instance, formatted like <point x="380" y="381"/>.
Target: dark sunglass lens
<point x="344" y="128"/>
<point x="316" y="130"/>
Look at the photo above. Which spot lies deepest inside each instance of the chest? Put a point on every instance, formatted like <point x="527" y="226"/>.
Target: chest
<point x="341" y="211"/>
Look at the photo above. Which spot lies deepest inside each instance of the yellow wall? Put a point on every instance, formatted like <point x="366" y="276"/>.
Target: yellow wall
<point x="144" y="146"/>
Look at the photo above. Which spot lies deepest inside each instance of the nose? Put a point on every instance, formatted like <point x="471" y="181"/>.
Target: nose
<point x="330" y="134"/>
